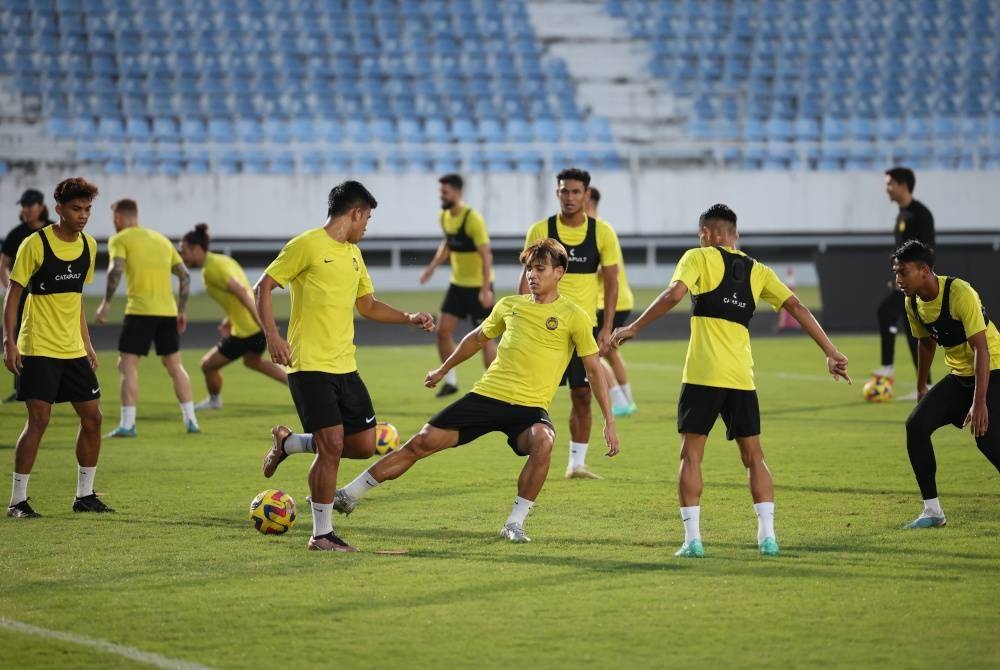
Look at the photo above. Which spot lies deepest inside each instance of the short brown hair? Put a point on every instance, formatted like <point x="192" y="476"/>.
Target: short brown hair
<point x="74" y="188"/>
<point x="546" y="250"/>
<point x="453" y="180"/>
<point x="126" y="206"/>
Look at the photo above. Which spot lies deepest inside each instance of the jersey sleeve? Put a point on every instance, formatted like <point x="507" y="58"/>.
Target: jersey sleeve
<point x="688" y="270"/>
<point x="365" y="286"/>
<point x="583" y="334"/>
<point x="92" y="244"/>
<point x="290" y="262"/>
<point x="28" y="260"/>
<point x="918" y="330"/>
<point x="773" y="291"/>
<point x="607" y="245"/>
<point x="116" y="247"/>
<point x="9" y="246"/>
<point x="537" y="232"/>
<point x="495" y="324"/>
<point x="967" y="307"/>
<point x="175" y="256"/>
<point x="475" y="228"/>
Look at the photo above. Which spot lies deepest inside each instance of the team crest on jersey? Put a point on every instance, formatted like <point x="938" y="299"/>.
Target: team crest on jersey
<point x="902" y="226"/>
<point x="552" y="323"/>
<point x="356" y="266"/>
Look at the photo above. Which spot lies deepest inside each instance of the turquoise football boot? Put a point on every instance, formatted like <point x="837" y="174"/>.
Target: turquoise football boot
<point x="692" y="549"/>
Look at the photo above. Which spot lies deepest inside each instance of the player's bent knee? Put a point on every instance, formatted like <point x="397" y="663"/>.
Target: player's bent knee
<point x="91" y="421"/>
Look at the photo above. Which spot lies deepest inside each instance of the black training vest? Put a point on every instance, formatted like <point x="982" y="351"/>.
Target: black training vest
<point x="459" y="240"/>
<point x="946" y="330"/>
<point x="732" y="299"/>
<point x="584" y="258"/>
<point x="56" y="275"/>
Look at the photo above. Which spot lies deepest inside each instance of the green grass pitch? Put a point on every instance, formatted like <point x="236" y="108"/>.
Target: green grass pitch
<point x="179" y="572"/>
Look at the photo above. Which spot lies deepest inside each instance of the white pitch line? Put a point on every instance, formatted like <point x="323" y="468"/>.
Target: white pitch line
<point x="103" y="645"/>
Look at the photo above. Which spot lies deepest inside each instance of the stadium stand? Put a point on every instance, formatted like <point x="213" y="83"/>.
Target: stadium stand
<point x="852" y="84"/>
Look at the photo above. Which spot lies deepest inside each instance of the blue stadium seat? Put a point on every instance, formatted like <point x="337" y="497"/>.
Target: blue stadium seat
<point x="489" y="130"/>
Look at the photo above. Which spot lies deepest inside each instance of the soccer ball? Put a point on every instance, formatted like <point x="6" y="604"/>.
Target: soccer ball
<point x="878" y="389"/>
<point x="386" y="438"/>
<point x="272" y="512"/>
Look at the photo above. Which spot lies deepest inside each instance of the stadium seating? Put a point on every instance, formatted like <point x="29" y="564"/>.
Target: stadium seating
<point x="851" y="83"/>
<point x="403" y="76"/>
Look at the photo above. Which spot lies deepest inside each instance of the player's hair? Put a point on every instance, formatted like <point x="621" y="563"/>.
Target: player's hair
<point x="903" y="175"/>
<point x="453" y="180"/>
<point x="576" y="174"/>
<point x="44" y="217"/>
<point x="125" y="206"/>
<point x="595" y="195"/>
<point x="346" y="196"/>
<point x="718" y="212"/>
<point x="914" y="251"/>
<point x="549" y="250"/>
<point x="74" y="188"/>
<point x="199" y="236"/>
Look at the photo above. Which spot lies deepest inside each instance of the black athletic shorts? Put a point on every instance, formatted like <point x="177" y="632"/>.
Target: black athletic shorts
<point x="325" y="399"/>
<point x="619" y="321"/>
<point x="139" y="331"/>
<point x="463" y="302"/>
<point x="699" y="406"/>
<point x="474" y="415"/>
<point x="57" y="380"/>
<point x="237" y="347"/>
<point x="576" y="374"/>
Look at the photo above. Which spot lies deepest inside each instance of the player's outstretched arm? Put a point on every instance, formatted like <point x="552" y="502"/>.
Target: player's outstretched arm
<point x="11" y="355"/>
<point x="665" y="302"/>
<point x="599" y="387"/>
<point x="116" y="267"/>
<point x="978" y="418"/>
<point x="372" y="308"/>
<point x="470" y="345"/>
<point x="836" y="362"/>
<point x="280" y="352"/>
<point x="243" y="294"/>
<point x="183" y="292"/>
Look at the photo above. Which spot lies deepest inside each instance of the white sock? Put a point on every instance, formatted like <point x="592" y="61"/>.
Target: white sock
<point x="577" y="453"/>
<point x="215" y="399"/>
<point x="128" y="416"/>
<point x="299" y="443"/>
<point x="765" y="520"/>
<point x="451" y="377"/>
<point x="20" y="489"/>
<point x="85" y="481"/>
<point x="932" y="507"/>
<point x="618" y="397"/>
<point x="520" y="510"/>
<point x="691" y="516"/>
<point x="627" y="390"/>
<point x="322" y="518"/>
<point x="361" y="485"/>
<point x="187" y="409"/>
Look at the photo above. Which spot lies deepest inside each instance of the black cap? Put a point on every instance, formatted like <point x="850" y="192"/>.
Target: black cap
<point x="31" y="197"/>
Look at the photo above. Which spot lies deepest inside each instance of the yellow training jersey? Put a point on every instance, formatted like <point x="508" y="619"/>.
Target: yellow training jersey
<point x="719" y="350"/>
<point x="51" y="322"/>
<point x="216" y="273"/>
<point x="626" y="299"/>
<point x="580" y="288"/>
<point x="965" y="306"/>
<point x="466" y="266"/>
<point x="537" y="343"/>
<point x="326" y="278"/>
<point x="149" y="257"/>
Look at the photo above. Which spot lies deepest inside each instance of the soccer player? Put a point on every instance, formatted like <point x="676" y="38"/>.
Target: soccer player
<point x="540" y="332"/>
<point x="466" y="246"/>
<point x="241" y="329"/>
<point x="593" y="250"/>
<point x="615" y="370"/>
<point x="947" y="312"/>
<point x="147" y="259"/>
<point x="34" y="216"/>
<point x="52" y="353"/>
<point x="725" y="285"/>
<point x="327" y="276"/>
<point x="913" y="222"/>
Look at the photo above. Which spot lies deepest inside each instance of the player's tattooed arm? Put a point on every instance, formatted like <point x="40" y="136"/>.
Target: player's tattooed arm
<point x="115" y="272"/>
<point x="184" y="289"/>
